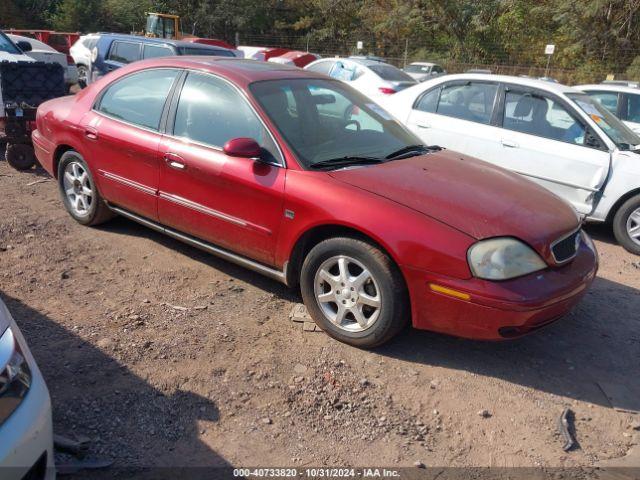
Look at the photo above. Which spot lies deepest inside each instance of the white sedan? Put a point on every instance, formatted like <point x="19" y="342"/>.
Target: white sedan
<point x="26" y="432"/>
<point x="42" y="52"/>
<point x="621" y="100"/>
<point x="554" y="135"/>
<point x="373" y="78"/>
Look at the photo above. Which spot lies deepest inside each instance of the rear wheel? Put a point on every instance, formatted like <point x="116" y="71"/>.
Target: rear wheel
<point x="354" y="292"/>
<point x="626" y="225"/>
<point x="79" y="192"/>
<point x="20" y="156"/>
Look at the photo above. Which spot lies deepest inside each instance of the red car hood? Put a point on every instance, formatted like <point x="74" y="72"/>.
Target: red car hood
<point x="472" y="196"/>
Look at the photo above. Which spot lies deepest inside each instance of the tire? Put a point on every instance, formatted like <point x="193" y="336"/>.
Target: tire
<point x="626" y="225"/>
<point x="79" y="192"/>
<point x="83" y="75"/>
<point x="20" y="156"/>
<point x="372" y="278"/>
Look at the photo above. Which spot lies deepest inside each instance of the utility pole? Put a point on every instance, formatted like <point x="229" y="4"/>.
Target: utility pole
<point x="406" y="51"/>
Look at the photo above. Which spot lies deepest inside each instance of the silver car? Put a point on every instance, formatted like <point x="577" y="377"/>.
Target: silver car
<point x="26" y="432"/>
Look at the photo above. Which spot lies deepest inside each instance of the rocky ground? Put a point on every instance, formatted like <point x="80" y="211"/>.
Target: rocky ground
<point x="162" y="355"/>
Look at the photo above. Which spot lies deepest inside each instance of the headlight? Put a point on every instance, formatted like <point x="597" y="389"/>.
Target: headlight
<point x="15" y="375"/>
<point x="503" y="258"/>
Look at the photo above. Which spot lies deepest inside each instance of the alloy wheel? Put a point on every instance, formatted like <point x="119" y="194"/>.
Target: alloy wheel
<point x="78" y="188"/>
<point x="347" y="293"/>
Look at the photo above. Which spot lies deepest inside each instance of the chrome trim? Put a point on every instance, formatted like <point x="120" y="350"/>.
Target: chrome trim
<point x="564" y="237"/>
<point x="207" y="247"/>
<point x="214" y="213"/>
<point x="128" y="183"/>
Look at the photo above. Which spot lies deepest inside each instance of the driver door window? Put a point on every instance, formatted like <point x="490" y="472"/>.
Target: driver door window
<point x="541" y="116"/>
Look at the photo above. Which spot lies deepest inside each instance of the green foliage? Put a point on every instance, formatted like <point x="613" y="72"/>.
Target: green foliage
<point x="592" y="37"/>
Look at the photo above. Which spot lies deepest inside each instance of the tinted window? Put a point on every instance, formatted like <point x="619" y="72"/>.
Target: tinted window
<point x="206" y="51"/>
<point x="633" y="108"/>
<point x="429" y="101"/>
<point x="608" y="100"/>
<point x="437" y="69"/>
<point x="212" y="112"/>
<point x="321" y="67"/>
<point x="139" y="98"/>
<point x="7" y="46"/>
<point x="154" y="51"/>
<point x="541" y="116"/>
<point x="390" y="73"/>
<point x="472" y="101"/>
<point x="124" y="52"/>
<point x="325" y="119"/>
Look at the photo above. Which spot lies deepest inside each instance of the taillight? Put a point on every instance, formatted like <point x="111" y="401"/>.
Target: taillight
<point x="70" y="60"/>
<point x="386" y="91"/>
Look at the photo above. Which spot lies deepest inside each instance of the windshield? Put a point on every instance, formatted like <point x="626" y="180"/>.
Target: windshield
<point x="618" y="132"/>
<point x="7" y="45"/>
<point x="390" y="73"/>
<point x="206" y="51"/>
<point x="417" y="69"/>
<point x="324" y="119"/>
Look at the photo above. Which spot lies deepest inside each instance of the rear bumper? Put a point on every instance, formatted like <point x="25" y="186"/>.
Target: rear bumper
<point x="44" y="150"/>
<point x="501" y="310"/>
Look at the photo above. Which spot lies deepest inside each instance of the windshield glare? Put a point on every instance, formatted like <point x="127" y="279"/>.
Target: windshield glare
<point x="618" y="132"/>
<point x="325" y="119"/>
<point x="7" y="45"/>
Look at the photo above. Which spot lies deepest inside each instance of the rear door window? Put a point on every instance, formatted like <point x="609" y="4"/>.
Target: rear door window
<point x="471" y="101"/>
<point x="125" y="52"/>
<point x="155" y="51"/>
<point x="633" y="108"/>
<point x="139" y="98"/>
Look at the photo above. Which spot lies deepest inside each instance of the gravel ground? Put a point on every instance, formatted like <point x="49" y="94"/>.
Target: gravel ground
<point x="162" y="355"/>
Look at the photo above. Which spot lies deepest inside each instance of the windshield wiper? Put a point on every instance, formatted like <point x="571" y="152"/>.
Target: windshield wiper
<point x="409" y="151"/>
<point x="345" y="162"/>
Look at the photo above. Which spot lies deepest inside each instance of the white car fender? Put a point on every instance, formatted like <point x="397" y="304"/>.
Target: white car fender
<point x="624" y="177"/>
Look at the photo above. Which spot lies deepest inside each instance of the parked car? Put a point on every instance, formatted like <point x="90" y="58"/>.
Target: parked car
<point x="421" y="71"/>
<point x="44" y="53"/>
<point x="24" y="84"/>
<point x="114" y="51"/>
<point x="26" y="431"/>
<point x="264" y="166"/>
<point x="81" y="52"/>
<point x="60" y="41"/>
<point x="295" y="58"/>
<point x="552" y="134"/>
<point x="373" y="78"/>
<point x="622" y="101"/>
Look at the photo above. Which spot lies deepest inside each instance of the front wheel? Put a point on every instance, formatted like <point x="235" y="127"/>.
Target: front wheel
<point x="626" y="225"/>
<point x="83" y="76"/>
<point x="79" y="192"/>
<point x="354" y="292"/>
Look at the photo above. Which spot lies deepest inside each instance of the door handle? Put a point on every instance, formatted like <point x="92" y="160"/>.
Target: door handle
<point x="174" y="161"/>
<point x="509" y="144"/>
<point x="91" y="133"/>
<point x="422" y="125"/>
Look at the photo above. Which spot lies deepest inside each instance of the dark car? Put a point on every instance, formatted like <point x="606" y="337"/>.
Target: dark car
<point x="114" y="51"/>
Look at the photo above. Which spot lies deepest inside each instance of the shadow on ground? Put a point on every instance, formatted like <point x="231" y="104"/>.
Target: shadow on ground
<point x="148" y="433"/>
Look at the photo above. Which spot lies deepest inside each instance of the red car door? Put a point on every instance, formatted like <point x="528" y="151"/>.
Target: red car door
<point x="235" y="203"/>
<point x="121" y="136"/>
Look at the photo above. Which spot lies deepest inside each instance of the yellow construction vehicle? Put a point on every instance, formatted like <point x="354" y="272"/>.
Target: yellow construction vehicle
<point x="163" y="25"/>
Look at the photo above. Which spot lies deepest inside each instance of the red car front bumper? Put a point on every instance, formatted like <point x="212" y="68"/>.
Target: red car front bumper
<point x="500" y="310"/>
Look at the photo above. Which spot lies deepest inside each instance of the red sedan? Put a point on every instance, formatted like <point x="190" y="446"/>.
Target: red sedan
<point x="303" y="179"/>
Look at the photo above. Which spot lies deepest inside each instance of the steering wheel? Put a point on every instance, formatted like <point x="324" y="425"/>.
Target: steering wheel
<point x="354" y="122"/>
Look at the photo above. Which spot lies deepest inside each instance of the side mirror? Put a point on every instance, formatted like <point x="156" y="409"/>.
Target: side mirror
<point x="591" y="140"/>
<point x="242" y="147"/>
<point x="24" y="46"/>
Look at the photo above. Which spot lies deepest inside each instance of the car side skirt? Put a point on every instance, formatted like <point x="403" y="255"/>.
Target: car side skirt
<point x="279" y="275"/>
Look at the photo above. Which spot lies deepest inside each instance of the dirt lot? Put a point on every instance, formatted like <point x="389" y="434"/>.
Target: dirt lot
<point x="163" y="355"/>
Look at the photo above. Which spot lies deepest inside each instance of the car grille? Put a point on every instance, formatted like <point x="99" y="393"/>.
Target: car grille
<point x="566" y="248"/>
